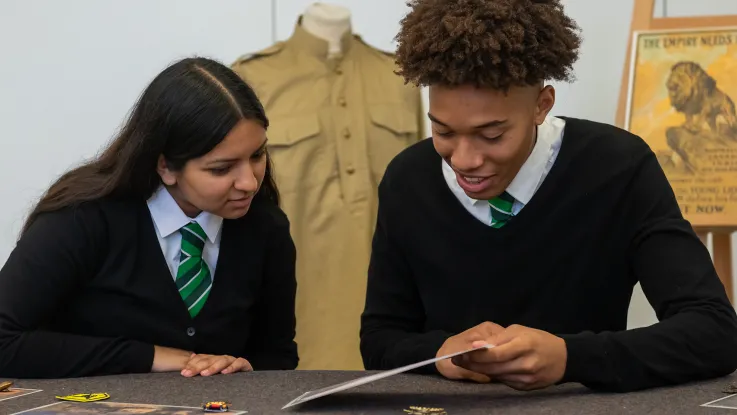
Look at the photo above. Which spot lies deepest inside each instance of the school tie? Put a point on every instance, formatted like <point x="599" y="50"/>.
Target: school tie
<point x="193" y="276"/>
<point x="501" y="209"/>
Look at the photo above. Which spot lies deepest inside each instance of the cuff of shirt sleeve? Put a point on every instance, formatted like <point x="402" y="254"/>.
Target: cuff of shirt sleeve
<point x="585" y="362"/>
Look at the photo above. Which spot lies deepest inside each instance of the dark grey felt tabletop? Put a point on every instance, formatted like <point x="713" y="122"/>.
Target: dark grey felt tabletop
<point x="268" y="392"/>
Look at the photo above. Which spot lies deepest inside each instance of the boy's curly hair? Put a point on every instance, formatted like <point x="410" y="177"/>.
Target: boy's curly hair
<point x="487" y="43"/>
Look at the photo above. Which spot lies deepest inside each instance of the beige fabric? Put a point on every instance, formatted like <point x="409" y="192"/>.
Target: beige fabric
<point x="335" y="123"/>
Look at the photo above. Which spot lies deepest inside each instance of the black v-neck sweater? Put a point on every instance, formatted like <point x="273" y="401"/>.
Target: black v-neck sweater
<point x="87" y="291"/>
<point x="603" y="219"/>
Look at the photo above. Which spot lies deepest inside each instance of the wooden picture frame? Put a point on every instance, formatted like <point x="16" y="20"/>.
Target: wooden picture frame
<point x="643" y="20"/>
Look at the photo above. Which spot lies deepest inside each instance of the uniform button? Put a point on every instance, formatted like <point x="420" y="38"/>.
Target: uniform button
<point x="350" y="170"/>
<point x="339" y="71"/>
<point x="346" y="133"/>
<point x="190" y="331"/>
<point x="341" y="101"/>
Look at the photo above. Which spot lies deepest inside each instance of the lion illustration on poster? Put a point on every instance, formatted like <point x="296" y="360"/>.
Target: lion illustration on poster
<point x="695" y="94"/>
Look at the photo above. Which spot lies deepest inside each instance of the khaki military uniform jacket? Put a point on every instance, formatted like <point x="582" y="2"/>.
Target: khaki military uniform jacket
<point x="335" y="123"/>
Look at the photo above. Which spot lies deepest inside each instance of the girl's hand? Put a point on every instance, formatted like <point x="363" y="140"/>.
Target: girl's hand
<point x="207" y="365"/>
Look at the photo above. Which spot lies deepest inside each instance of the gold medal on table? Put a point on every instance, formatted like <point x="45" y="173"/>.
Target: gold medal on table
<point x="421" y="410"/>
<point x="732" y="388"/>
<point x="85" y="397"/>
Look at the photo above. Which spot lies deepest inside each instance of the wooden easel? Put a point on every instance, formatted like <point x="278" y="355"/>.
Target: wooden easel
<point x="642" y="19"/>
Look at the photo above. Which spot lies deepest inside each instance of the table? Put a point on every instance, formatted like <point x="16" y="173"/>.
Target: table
<point x="266" y="392"/>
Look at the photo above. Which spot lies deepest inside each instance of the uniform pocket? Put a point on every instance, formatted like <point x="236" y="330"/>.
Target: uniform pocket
<point x="289" y="131"/>
<point x="392" y="129"/>
<point x="394" y="118"/>
<point x="301" y="155"/>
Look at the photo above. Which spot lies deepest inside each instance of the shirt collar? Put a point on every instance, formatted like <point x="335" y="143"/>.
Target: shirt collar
<point x="524" y="184"/>
<point x="305" y="41"/>
<point x="169" y="218"/>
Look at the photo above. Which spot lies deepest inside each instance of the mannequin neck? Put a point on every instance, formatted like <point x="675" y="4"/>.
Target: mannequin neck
<point x="327" y="22"/>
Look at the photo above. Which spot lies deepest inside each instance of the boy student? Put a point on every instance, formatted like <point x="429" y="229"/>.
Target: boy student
<point x="168" y="252"/>
<point x="529" y="231"/>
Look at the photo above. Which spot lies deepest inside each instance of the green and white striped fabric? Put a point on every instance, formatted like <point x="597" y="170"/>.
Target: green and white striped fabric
<point x="193" y="276"/>
<point x="501" y="209"/>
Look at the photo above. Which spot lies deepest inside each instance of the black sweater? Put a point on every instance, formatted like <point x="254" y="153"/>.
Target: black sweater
<point x="604" y="218"/>
<point x="87" y="291"/>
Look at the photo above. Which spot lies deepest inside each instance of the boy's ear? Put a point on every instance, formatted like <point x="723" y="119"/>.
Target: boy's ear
<point x="545" y="101"/>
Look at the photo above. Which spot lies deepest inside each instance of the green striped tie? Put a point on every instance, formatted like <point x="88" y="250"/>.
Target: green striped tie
<point x="193" y="275"/>
<point x="501" y="209"/>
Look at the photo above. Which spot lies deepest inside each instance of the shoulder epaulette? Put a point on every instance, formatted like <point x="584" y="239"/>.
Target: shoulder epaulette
<point x="372" y="47"/>
<point x="275" y="48"/>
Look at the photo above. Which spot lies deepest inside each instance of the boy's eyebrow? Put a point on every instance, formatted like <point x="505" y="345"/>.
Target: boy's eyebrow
<point x="493" y="123"/>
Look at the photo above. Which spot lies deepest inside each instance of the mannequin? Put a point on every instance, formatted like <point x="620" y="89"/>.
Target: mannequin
<point x="328" y="22"/>
<point x="339" y="115"/>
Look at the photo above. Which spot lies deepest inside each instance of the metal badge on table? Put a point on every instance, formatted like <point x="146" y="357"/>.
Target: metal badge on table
<point x="732" y="388"/>
<point x="422" y="410"/>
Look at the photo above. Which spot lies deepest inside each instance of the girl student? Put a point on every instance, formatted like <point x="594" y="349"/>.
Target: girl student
<point x="168" y="252"/>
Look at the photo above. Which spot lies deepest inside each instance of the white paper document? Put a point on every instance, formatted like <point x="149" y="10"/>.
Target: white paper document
<point x="308" y="396"/>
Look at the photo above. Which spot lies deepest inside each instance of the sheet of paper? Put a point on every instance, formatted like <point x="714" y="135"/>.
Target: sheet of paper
<point x="16" y="393"/>
<point x="308" y="396"/>
<point x="726" y="402"/>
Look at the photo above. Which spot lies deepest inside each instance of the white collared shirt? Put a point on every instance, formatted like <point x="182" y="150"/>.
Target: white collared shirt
<point x="168" y="219"/>
<point x="528" y="179"/>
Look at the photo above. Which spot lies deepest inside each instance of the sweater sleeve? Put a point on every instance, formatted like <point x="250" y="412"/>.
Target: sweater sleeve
<point x="50" y="263"/>
<point x="272" y="345"/>
<point x="393" y="320"/>
<point x="696" y="336"/>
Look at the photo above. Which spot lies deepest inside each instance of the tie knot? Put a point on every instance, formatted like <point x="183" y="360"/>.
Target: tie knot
<point x="501" y="209"/>
<point x="503" y="203"/>
<point x="193" y="239"/>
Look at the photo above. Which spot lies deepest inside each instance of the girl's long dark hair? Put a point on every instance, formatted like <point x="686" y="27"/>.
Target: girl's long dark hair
<point x="183" y="114"/>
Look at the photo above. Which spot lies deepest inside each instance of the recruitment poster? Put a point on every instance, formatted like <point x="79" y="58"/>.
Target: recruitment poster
<point x="681" y="102"/>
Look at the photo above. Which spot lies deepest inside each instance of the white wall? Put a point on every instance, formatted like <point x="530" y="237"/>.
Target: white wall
<point x="72" y="69"/>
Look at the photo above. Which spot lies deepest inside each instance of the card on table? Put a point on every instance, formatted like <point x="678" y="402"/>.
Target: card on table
<point x="116" y="408"/>
<point x="16" y="393"/>
<point x="308" y="396"/>
<point x="727" y="402"/>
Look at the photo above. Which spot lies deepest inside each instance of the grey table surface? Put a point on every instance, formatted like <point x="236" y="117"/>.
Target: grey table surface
<point x="267" y="392"/>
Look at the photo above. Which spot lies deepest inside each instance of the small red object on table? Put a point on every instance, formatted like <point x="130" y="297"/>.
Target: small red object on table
<point x="215" y="406"/>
